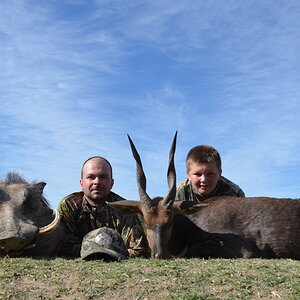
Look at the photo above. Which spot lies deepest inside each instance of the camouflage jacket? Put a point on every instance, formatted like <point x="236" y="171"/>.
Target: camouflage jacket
<point x="79" y="218"/>
<point x="224" y="187"/>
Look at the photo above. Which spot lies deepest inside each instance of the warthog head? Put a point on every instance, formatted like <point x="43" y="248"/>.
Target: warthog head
<point x="25" y="218"/>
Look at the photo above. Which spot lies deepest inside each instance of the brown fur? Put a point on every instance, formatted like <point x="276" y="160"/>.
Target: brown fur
<point x="226" y="227"/>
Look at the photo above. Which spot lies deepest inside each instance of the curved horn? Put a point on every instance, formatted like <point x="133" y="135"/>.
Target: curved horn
<point x="48" y="229"/>
<point x="168" y="201"/>
<point x="140" y="177"/>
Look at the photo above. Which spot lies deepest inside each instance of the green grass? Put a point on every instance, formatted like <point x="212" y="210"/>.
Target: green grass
<point x="26" y="278"/>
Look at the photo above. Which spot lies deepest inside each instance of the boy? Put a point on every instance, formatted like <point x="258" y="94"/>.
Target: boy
<point x="203" y="164"/>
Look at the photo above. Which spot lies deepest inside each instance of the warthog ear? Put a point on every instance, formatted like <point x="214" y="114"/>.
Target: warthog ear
<point x="37" y="189"/>
<point x="187" y="207"/>
<point x="40" y="186"/>
<point x="127" y="207"/>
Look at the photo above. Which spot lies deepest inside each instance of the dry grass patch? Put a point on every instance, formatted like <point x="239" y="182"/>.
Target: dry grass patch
<point x="26" y="278"/>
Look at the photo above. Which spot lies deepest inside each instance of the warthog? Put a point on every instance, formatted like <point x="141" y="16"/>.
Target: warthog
<point x="227" y="227"/>
<point x="28" y="227"/>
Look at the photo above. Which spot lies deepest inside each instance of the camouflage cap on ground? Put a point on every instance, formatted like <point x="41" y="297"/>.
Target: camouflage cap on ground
<point x="103" y="243"/>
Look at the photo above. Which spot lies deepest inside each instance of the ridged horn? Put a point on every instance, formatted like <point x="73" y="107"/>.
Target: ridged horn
<point x="168" y="201"/>
<point x="140" y="177"/>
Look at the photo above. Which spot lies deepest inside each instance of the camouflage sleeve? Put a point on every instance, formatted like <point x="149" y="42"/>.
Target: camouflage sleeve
<point x="229" y="188"/>
<point x="182" y="192"/>
<point x="133" y="234"/>
<point x="63" y="209"/>
<point x="73" y="242"/>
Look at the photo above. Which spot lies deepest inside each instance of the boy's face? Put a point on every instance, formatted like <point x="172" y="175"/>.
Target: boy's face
<point x="204" y="176"/>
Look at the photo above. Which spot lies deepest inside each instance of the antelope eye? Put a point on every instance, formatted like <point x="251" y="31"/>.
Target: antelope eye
<point x="167" y="225"/>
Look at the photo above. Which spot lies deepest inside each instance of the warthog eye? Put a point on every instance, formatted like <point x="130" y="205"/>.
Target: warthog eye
<point x="28" y="203"/>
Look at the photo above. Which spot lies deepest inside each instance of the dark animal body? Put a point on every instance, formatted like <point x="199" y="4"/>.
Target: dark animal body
<point x="28" y="227"/>
<point x="225" y="227"/>
<point x="232" y="227"/>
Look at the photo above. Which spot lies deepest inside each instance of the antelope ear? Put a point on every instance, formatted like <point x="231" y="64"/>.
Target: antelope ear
<point x="187" y="207"/>
<point x="127" y="207"/>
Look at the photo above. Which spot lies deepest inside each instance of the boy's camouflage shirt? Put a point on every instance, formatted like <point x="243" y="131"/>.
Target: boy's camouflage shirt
<point x="79" y="218"/>
<point x="224" y="187"/>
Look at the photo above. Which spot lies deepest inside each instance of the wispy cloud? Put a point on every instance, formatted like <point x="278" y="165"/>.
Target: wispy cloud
<point x="76" y="77"/>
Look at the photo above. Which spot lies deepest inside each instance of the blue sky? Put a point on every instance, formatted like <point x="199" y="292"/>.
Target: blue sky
<point x="77" y="76"/>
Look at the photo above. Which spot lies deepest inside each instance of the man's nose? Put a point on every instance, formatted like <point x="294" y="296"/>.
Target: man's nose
<point x="96" y="180"/>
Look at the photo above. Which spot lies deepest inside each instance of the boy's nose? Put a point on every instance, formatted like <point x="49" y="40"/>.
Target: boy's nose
<point x="203" y="178"/>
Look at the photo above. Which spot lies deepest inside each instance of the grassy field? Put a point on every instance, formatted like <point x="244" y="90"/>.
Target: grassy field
<point x="26" y="278"/>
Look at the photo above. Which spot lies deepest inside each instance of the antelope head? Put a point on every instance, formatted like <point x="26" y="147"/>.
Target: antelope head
<point x="158" y="212"/>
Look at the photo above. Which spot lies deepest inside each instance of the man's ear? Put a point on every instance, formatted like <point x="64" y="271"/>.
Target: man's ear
<point x="112" y="183"/>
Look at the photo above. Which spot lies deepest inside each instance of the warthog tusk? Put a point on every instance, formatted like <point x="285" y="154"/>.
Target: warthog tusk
<point x="48" y="229"/>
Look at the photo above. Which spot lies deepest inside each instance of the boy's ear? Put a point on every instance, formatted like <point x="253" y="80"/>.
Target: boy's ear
<point x="188" y="176"/>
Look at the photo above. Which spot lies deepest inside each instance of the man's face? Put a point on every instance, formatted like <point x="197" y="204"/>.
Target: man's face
<point x="204" y="176"/>
<point x="96" y="181"/>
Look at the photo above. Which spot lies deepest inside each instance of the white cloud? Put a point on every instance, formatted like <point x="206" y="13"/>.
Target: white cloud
<point x="77" y="77"/>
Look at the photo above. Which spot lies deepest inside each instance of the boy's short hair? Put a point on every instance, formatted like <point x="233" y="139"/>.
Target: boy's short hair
<point x="203" y="153"/>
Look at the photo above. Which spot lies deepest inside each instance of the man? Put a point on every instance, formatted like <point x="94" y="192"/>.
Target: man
<point x="87" y="210"/>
